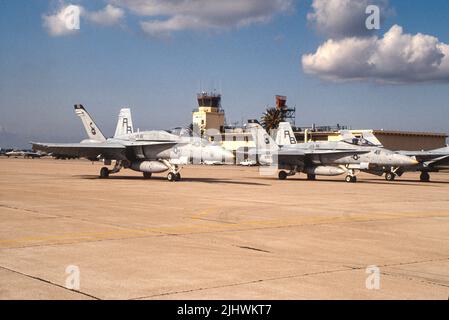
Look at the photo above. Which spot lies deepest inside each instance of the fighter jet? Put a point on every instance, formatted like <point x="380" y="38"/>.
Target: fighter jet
<point x="146" y="151"/>
<point x="331" y="158"/>
<point x="25" y="154"/>
<point x="428" y="161"/>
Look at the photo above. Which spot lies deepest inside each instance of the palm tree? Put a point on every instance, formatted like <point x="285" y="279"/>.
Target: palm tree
<point x="271" y="118"/>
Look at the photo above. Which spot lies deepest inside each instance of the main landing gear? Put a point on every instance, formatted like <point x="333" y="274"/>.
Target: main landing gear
<point x="311" y="177"/>
<point x="424" y="177"/>
<point x="104" y="173"/>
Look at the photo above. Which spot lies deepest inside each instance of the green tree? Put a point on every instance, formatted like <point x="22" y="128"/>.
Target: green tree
<point x="271" y="118"/>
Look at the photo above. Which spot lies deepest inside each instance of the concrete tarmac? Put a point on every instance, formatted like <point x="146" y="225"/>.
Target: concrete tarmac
<point x="223" y="232"/>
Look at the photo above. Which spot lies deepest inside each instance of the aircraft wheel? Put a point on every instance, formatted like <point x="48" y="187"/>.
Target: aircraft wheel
<point x="147" y="175"/>
<point x="351" y="179"/>
<point x="171" y="177"/>
<point x="424" y="177"/>
<point x="178" y="177"/>
<point x="311" y="177"/>
<point x="390" y="176"/>
<point x="104" y="173"/>
<point x="282" y="175"/>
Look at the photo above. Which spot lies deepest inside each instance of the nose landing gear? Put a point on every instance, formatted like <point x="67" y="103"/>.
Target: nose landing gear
<point x="390" y="176"/>
<point x="351" y="179"/>
<point x="282" y="175"/>
<point x="172" y="177"/>
<point x="351" y="176"/>
<point x="105" y="172"/>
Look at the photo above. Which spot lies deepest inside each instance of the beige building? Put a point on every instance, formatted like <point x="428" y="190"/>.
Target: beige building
<point x="209" y="114"/>
<point x="393" y="140"/>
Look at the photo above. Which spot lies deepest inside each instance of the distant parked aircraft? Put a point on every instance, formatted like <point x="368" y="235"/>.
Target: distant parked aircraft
<point x="25" y="154"/>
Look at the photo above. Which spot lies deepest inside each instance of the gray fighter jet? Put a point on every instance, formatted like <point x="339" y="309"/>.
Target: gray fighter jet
<point x="320" y="158"/>
<point x="428" y="161"/>
<point x="147" y="151"/>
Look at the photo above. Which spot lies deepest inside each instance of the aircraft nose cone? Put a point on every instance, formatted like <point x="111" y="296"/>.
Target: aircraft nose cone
<point x="409" y="161"/>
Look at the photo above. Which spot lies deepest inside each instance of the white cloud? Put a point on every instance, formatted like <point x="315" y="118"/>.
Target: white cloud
<point x="167" y="16"/>
<point x="108" y="16"/>
<point x="344" y="18"/>
<point x="395" y="58"/>
<point x="64" y="21"/>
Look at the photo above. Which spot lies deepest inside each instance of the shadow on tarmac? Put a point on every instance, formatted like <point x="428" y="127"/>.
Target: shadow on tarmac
<point x="184" y="179"/>
<point x="401" y="182"/>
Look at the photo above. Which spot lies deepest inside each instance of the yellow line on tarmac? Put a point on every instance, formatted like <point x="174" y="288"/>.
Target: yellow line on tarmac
<point x="209" y="226"/>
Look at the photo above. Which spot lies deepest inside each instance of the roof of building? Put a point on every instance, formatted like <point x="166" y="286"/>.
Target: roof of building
<point x="410" y="133"/>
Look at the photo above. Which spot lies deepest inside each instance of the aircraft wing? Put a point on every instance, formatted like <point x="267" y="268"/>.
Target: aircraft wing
<point x="295" y="152"/>
<point x="167" y="144"/>
<point x="327" y="152"/>
<point x="440" y="161"/>
<point x="83" y="150"/>
<point x="429" y="157"/>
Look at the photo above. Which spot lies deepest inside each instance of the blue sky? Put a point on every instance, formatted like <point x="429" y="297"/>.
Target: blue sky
<point x="158" y="73"/>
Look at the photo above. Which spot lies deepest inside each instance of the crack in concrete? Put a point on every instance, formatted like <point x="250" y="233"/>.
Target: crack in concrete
<point x="347" y="268"/>
<point x="412" y="278"/>
<point x="254" y="249"/>
<point x="240" y="283"/>
<point x="49" y="282"/>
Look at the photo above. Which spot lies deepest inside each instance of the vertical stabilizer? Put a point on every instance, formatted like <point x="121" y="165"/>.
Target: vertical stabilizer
<point x="124" y="123"/>
<point x="371" y="138"/>
<point x="285" y="135"/>
<point x="261" y="138"/>
<point x="92" y="130"/>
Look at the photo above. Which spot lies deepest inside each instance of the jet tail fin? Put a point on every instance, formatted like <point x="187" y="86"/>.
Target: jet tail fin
<point x="371" y="138"/>
<point x="261" y="138"/>
<point x="285" y="135"/>
<point x="92" y="130"/>
<point x="124" y="123"/>
<point x="367" y="138"/>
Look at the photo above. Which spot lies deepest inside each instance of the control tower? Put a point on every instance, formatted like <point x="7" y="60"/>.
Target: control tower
<point x="209" y="114"/>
